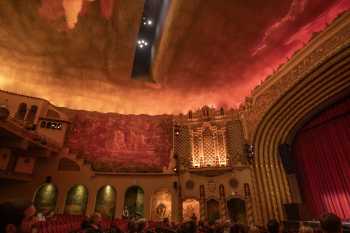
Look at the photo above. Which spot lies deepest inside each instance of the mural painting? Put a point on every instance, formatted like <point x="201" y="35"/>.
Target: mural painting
<point x="190" y="208"/>
<point x="45" y="198"/>
<point x="161" y="205"/>
<point x="76" y="200"/>
<point x="106" y="201"/>
<point x="134" y="202"/>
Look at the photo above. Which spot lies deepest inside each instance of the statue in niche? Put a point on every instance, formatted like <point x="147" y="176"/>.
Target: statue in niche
<point x="161" y="210"/>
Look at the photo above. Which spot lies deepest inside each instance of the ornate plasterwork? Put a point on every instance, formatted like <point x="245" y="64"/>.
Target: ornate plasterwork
<point x="209" y="138"/>
<point x="209" y="146"/>
<point x="303" y="63"/>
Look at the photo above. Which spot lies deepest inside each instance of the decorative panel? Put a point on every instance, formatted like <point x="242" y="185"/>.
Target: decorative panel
<point x="161" y="206"/>
<point x="45" y="198"/>
<point x="106" y="201"/>
<point x="209" y="146"/>
<point x="76" y="200"/>
<point x="116" y="142"/>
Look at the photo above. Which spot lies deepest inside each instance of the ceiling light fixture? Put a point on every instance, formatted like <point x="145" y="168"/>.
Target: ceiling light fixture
<point x="142" y="43"/>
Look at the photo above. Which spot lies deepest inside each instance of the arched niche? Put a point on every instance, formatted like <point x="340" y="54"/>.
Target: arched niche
<point x="30" y="118"/>
<point x="161" y="205"/>
<point x="45" y="198"/>
<point x="237" y="210"/>
<point x="76" y="200"/>
<point x="134" y="201"/>
<point x="106" y="201"/>
<point x="213" y="210"/>
<point x="190" y="207"/>
<point x="21" y="111"/>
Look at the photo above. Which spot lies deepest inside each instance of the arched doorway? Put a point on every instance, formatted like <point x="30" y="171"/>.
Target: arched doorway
<point x="190" y="207"/>
<point x="236" y="210"/>
<point x="45" y="198"/>
<point x="161" y="205"/>
<point x="76" y="200"/>
<point x="134" y="202"/>
<point x="106" y="201"/>
<point x="213" y="210"/>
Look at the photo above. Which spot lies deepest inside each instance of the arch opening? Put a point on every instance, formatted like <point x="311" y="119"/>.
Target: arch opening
<point x="106" y="201"/>
<point x="76" y="200"/>
<point x="134" y="202"/>
<point x="45" y="198"/>
<point x="161" y="205"/>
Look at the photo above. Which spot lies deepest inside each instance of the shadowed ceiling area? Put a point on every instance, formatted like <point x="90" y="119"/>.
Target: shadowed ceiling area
<point x="79" y="53"/>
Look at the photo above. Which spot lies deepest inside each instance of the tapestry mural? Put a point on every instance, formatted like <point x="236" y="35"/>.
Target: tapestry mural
<point x="190" y="207"/>
<point x="45" y="198"/>
<point x="161" y="205"/>
<point x="115" y="142"/>
<point x="76" y="200"/>
<point x="236" y="210"/>
<point x="106" y="201"/>
<point x="134" y="202"/>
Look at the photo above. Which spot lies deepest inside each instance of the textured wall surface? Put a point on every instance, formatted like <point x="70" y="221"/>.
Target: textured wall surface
<point x="121" y="142"/>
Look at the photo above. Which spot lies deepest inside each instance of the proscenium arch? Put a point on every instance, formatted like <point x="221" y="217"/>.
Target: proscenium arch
<point x="329" y="81"/>
<point x="106" y="201"/>
<point x="76" y="200"/>
<point x="135" y="209"/>
<point x="45" y="198"/>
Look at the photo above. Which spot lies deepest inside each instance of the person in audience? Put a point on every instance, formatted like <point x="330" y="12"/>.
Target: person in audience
<point x="305" y="229"/>
<point x="253" y="229"/>
<point x="29" y="219"/>
<point x="94" y="224"/>
<point x="10" y="228"/>
<point x="34" y="229"/>
<point x="331" y="223"/>
<point x="40" y="217"/>
<point x="273" y="226"/>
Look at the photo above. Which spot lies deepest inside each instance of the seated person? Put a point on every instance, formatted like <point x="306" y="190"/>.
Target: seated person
<point x="331" y="223"/>
<point x="93" y="225"/>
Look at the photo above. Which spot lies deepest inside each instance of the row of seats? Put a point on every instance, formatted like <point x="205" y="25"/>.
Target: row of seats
<point x="72" y="223"/>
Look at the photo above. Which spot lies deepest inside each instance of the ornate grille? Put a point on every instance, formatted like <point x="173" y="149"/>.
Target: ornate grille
<point x="209" y="146"/>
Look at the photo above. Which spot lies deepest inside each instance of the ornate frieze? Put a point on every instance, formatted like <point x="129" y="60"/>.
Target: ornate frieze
<point x="305" y="61"/>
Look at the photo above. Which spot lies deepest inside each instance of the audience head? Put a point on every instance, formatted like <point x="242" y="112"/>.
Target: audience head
<point x="237" y="228"/>
<point x="11" y="228"/>
<point x="306" y="229"/>
<point x="331" y="223"/>
<point x="273" y="226"/>
<point x="253" y="229"/>
<point x="96" y="218"/>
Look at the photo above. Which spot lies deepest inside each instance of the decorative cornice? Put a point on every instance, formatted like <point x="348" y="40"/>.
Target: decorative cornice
<point x="322" y="47"/>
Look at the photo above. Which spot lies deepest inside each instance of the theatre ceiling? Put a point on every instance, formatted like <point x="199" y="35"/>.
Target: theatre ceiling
<point x="105" y="55"/>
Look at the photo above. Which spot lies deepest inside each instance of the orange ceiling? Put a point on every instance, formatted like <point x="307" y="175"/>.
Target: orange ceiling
<point x="211" y="52"/>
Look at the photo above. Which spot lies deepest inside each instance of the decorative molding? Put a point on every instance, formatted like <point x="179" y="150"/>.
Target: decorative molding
<point x="320" y="48"/>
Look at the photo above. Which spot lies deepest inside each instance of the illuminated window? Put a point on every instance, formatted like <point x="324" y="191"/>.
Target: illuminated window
<point x="209" y="147"/>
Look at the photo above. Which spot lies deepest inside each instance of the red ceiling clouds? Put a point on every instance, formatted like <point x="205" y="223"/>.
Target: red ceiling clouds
<point x="217" y="53"/>
<point x="71" y="9"/>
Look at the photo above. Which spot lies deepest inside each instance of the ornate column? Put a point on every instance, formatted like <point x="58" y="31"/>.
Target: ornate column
<point x="202" y="203"/>
<point x="180" y="208"/>
<point x="249" y="206"/>
<point x="223" y="206"/>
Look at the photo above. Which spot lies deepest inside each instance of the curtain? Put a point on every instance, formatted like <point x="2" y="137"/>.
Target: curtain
<point x="322" y="153"/>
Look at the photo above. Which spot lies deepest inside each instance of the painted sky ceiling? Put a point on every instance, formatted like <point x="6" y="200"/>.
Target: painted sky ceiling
<point x="79" y="53"/>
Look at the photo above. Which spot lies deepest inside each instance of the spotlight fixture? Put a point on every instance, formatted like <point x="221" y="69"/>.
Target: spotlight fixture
<point x="141" y="43"/>
<point x="147" y="21"/>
